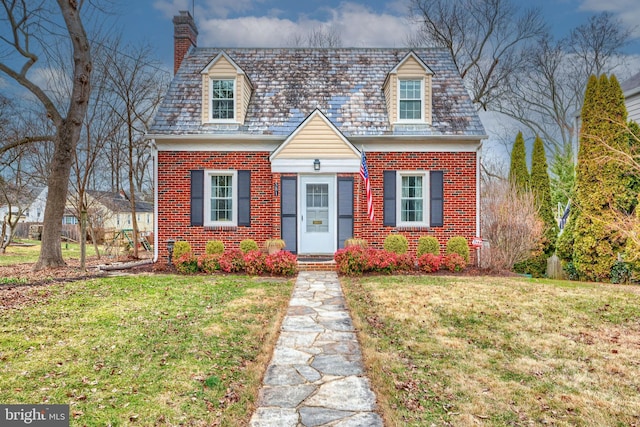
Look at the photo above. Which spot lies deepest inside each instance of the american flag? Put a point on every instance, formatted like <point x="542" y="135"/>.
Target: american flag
<point x="364" y="173"/>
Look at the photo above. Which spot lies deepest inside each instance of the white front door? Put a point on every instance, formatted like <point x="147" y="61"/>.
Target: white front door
<point x="317" y="214"/>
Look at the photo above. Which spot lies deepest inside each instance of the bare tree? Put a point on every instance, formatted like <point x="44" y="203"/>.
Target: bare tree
<point x="138" y="87"/>
<point x="15" y="194"/>
<point x="317" y="37"/>
<point x="547" y="95"/>
<point x="486" y="39"/>
<point x="511" y="224"/>
<point x="26" y="21"/>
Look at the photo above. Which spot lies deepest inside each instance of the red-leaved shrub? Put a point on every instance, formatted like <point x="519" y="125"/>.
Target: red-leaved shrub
<point x="209" y="263"/>
<point x="254" y="262"/>
<point x="351" y="261"/>
<point x="186" y="263"/>
<point x="282" y="263"/>
<point x="232" y="261"/>
<point x="381" y="261"/>
<point x="405" y="262"/>
<point x="430" y="263"/>
<point x="454" y="262"/>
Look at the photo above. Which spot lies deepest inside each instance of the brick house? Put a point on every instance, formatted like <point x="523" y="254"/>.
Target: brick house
<point x="266" y="143"/>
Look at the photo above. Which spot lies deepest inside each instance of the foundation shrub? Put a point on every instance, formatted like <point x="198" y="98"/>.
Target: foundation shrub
<point x="254" y="262"/>
<point x="430" y="263"/>
<point x="428" y="245"/>
<point x="396" y="243"/>
<point x="351" y="261"/>
<point x="180" y="248"/>
<point x="209" y="263"/>
<point x="232" y="261"/>
<point x="248" y="245"/>
<point x="405" y="262"/>
<point x="454" y="262"/>
<point x="458" y="245"/>
<point x="186" y="263"/>
<point x="282" y="263"/>
<point x="381" y="261"/>
<point x="214" y="247"/>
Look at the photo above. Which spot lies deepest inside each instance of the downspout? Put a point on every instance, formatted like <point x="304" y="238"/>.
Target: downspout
<point x="155" y="201"/>
<point x="478" y="196"/>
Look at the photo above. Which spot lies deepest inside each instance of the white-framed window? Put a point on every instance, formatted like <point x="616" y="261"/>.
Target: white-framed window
<point x="413" y="198"/>
<point x="411" y="100"/>
<point x="222" y="98"/>
<point x="221" y="198"/>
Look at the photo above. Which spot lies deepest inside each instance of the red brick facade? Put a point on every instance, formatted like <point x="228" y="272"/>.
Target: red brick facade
<point x="174" y="197"/>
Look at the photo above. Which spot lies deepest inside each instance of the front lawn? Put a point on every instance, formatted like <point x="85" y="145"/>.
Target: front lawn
<point x="18" y="254"/>
<point x="499" y="351"/>
<point x="143" y="350"/>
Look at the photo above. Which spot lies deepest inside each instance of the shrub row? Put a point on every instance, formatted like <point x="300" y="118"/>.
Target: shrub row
<point x="356" y="260"/>
<point x="253" y="262"/>
<point x="397" y="243"/>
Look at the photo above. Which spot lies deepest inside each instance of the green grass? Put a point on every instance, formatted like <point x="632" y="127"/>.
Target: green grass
<point x="30" y="254"/>
<point x="146" y="350"/>
<point x="499" y="351"/>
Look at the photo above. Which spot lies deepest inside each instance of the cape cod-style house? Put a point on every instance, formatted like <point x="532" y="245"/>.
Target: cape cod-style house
<point x="267" y="143"/>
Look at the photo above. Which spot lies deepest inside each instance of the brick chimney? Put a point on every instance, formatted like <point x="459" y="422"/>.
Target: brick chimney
<point x="185" y="35"/>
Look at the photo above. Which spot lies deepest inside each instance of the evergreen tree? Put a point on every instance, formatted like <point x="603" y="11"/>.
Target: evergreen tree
<point x="541" y="189"/>
<point x="599" y="182"/>
<point x="563" y="174"/>
<point x="518" y="173"/>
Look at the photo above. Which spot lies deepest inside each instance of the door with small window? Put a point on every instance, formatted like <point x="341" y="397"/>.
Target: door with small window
<point x="317" y="215"/>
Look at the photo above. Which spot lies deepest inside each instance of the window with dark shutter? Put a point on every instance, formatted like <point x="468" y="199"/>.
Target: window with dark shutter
<point x="197" y="197"/>
<point x="389" y="206"/>
<point x="244" y="198"/>
<point x="436" y="180"/>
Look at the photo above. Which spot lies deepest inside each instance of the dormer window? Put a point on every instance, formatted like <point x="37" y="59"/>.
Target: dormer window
<point x="222" y="99"/>
<point x="410" y="100"/>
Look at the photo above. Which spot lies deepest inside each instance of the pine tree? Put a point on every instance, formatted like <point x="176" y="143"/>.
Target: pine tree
<point x="541" y="190"/>
<point x="599" y="182"/>
<point x="519" y="174"/>
<point x="563" y="174"/>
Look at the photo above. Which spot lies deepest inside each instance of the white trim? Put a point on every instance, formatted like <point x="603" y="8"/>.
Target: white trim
<point x="478" y="190"/>
<point x="423" y="110"/>
<point x="232" y="120"/>
<point x="209" y="145"/>
<point x="207" y="198"/>
<point x="224" y="55"/>
<point x="155" y="202"/>
<point x="425" y="198"/>
<point x="306" y="166"/>
<point x="413" y="55"/>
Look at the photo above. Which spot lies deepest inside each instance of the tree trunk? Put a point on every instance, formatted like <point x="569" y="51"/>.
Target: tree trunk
<point x="83" y="240"/>
<point x="67" y="135"/>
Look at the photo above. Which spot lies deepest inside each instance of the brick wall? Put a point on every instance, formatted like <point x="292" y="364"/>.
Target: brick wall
<point x="174" y="197"/>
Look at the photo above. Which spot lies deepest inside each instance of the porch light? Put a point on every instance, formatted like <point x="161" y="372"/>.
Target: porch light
<point x="170" y="244"/>
<point x="275" y="188"/>
<point x="316" y="165"/>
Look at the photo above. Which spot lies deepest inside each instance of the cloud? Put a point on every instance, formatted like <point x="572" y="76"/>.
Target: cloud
<point x="628" y="11"/>
<point x="357" y="25"/>
<point x="211" y="8"/>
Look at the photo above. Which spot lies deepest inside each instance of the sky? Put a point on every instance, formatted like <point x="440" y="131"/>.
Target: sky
<point x="360" y="23"/>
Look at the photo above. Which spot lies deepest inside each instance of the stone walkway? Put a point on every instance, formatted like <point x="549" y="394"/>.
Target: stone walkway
<point x="316" y="376"/>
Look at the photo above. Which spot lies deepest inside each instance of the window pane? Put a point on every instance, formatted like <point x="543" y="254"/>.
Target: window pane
<point x="221" y="198"/>
<point x="412" y="200"/>
<point x="410" y="100"/>
<point x="222" y="94"/>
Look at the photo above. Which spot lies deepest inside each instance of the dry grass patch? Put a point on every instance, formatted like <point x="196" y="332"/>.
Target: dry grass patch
<point x="500" y="351"/>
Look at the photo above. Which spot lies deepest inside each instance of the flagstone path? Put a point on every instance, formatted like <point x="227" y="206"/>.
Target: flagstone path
<point x="316" y="376"/>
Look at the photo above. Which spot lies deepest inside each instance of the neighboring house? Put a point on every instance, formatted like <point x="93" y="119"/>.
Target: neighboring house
<point x="631" y="90"/>
<point x="112" y="211"/>
<point x="267" y="143"/>
<point x="33" y="201"/>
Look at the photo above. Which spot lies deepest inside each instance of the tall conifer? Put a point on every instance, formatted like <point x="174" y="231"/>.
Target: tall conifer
<point x="541" y="189"/>
<point x="518" y="173"/>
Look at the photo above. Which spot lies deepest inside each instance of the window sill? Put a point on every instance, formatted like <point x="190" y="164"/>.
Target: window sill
<point x="420" y="227"/>
<point x="220" y="227"/>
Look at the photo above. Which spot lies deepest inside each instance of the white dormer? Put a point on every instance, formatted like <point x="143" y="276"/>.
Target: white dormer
<point x="407" y="91"/>
<point x="226" y="91"/>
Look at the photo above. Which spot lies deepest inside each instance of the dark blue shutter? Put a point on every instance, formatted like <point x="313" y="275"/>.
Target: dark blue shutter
<point x="197" y="197"/>
<point x="389" y="198"/>
<point x="436" y="194"/>
<point x="244" y="198"/>
<point x="345" y="210"/>
<point x="289" y="212"/>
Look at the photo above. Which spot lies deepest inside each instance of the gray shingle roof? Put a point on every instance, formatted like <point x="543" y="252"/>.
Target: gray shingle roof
<point x="632" y="82"/>
<point x="345" y="84"/>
